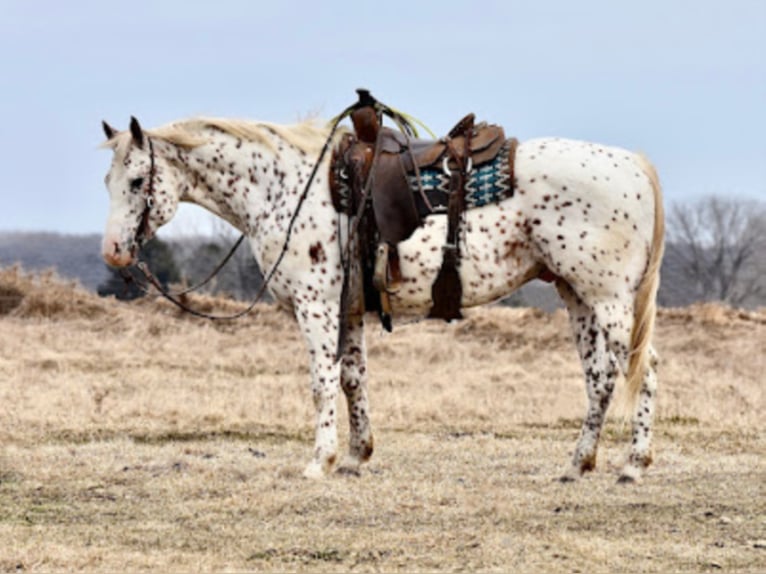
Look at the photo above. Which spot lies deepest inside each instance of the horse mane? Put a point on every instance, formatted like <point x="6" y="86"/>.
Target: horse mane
<point x="307" y="136"/>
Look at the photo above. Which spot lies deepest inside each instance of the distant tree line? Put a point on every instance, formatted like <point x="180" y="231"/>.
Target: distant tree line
<point x="715" y="251"/>
<point x="128" y="284"/>
<point x="184" y="263"/>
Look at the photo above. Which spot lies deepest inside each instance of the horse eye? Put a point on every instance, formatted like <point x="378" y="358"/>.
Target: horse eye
<point x="136" y="184"/>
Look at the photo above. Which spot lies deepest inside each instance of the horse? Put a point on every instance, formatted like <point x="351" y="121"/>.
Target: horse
<point x="585" y="216"/>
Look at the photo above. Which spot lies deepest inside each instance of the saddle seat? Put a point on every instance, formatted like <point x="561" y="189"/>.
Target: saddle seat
<point x="485" y="143"/>
<point x="399" y="209"/>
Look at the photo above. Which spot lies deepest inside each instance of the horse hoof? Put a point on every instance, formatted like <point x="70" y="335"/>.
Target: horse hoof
<point x="349" y="471"/>
<point x="314" y="471"/>
<point x="630" y="475"/>
<point x="349" y="467"/>
<point x="571" y="474"/>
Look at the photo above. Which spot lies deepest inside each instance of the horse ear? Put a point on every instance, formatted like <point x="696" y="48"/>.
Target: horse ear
<point x="136" y="132"/>
<point x="109" y="131"/>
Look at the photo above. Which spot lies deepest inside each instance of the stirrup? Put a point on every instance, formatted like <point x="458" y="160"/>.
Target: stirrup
<point x="383" y="279"/>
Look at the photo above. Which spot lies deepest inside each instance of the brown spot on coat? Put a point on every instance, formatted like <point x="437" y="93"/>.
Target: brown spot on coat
<point x="317" y="254"/>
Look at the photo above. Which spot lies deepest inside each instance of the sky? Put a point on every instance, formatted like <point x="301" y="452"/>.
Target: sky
<point x="682" y="81"/>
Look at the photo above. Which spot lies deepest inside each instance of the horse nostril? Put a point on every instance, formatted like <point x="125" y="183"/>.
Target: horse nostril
<point x="116" y="248"/>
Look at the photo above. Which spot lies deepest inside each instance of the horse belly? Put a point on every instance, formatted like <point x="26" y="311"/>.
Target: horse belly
<point x="496" y="258"/>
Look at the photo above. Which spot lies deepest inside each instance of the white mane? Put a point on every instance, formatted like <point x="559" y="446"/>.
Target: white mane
<point x="307" y="136"/>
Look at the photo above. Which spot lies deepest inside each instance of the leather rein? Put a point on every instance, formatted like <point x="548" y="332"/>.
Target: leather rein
<point x="173" y="296"/>
<point x="405" y="124"/>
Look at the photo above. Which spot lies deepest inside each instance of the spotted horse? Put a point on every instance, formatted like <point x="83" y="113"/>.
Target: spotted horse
<point x="587" y="216"/>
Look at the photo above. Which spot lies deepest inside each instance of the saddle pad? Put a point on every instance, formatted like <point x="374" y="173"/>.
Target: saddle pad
<point x="488" y="183"/>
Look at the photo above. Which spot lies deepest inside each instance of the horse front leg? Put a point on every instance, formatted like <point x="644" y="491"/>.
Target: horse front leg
<point x="353" y="380"/>
<point x="319" y="323"/>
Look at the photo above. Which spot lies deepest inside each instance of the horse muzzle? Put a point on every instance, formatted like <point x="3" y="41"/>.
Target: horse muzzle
<point x="117" y="255"/>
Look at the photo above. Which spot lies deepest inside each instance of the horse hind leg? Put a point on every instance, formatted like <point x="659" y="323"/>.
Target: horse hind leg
<point x="600" y="368"/>
<point x="353" y="380"/>
<point x="617" y="319"/>
<point x="640" y="455"/>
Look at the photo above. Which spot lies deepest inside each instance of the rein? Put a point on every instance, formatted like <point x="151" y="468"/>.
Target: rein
<point x="171" y="296"/>
<point x="403" y="122"/>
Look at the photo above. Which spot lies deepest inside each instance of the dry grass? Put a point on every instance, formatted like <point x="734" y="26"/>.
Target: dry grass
<point x="132" y="438"/>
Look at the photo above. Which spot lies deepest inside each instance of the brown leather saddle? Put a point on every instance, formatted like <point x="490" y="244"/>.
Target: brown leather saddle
<point x="371" y="179"/>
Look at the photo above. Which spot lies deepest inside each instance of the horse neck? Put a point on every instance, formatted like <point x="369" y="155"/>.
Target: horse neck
<point x="246" y="183"/>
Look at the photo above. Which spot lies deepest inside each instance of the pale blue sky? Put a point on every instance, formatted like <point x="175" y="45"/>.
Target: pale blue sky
<point x="683" y="81"/>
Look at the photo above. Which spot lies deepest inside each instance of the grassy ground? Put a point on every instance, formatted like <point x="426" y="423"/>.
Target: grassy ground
<point x="133" y="439"/>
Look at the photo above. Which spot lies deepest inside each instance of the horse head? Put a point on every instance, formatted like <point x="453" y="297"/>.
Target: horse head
<point x="143" y="193"/>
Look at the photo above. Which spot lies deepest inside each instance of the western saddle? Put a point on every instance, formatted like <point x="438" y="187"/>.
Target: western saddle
<point x="375" y="178"/>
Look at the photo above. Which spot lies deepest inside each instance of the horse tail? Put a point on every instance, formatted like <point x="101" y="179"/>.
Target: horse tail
<point x="645" y="303"/>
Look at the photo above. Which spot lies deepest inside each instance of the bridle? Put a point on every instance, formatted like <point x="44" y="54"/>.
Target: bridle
<point x="140" y="239"/>
<point x="149" y="198"/>
<point x="173" y="297"/>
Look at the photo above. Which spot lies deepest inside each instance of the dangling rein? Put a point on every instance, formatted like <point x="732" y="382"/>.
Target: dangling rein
<point x="403" y="121"/>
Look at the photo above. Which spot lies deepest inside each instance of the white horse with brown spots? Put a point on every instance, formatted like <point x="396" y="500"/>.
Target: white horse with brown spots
<point x="588" y="217"/>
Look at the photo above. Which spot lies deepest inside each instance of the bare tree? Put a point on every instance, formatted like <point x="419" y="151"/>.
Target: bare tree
<point x="719" y="248"/>
<point x="239" y="278"/>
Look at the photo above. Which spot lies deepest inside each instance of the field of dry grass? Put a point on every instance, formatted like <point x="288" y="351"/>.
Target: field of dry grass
<point x="132" y="438"/>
